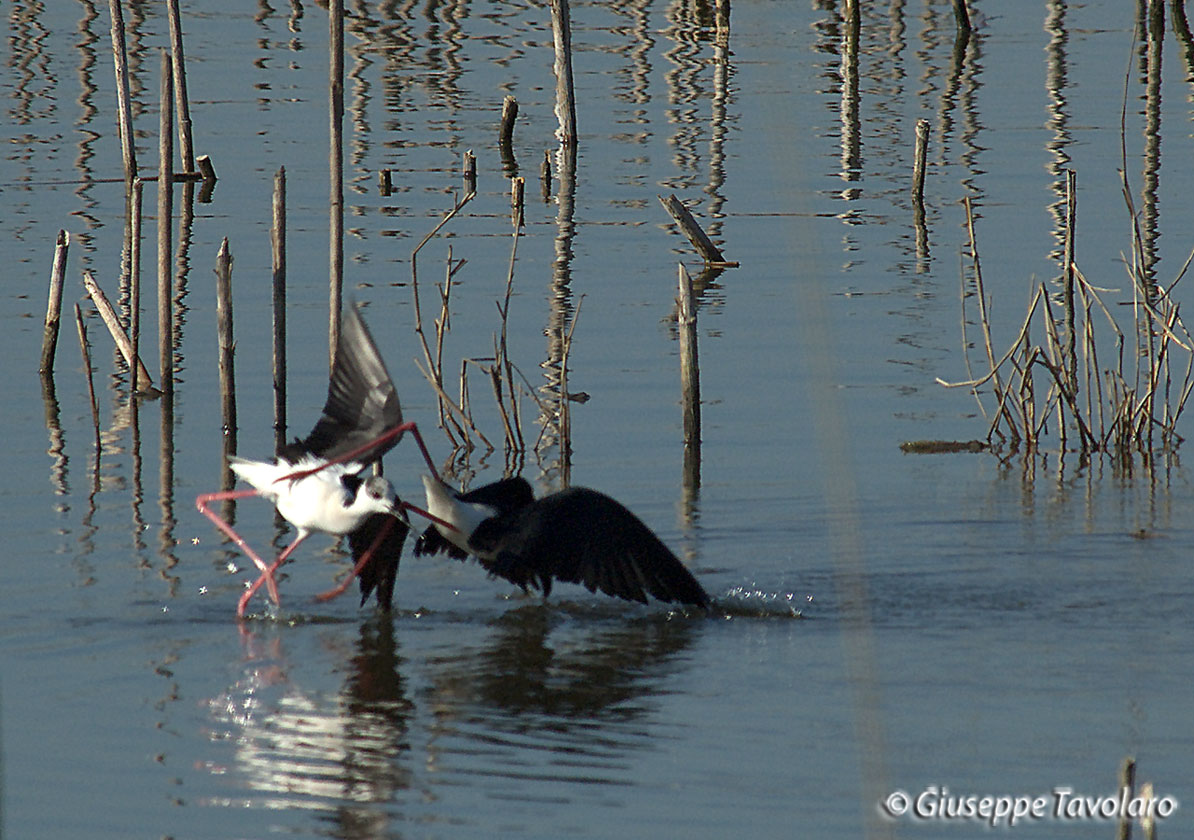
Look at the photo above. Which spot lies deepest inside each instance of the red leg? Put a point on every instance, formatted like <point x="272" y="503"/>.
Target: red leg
<point x="388" y="435"/>
<point x="204" y="500"/>
<point x="356" y="570"/>
<point x="267" y="577"/>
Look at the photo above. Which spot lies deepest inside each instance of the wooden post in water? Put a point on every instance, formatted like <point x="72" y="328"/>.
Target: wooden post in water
<point x="336" y="168"/>
<point x="918" y="165"/>
<point x="49" y="341"/>
<point x="506" y="136"/>
<point x="165" y="213"/>
<point x="561" y="30"/>
<point x="227" y="345"/>
<point x="123" y="100"/>
<point x="690" y="374"/>
<point x="278" y="240"/>
<point x="185" y="147"/>
<point x="470" y="174"/>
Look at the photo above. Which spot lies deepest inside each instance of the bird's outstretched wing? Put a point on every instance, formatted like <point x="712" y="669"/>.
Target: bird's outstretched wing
<point x="582" y="536"/>
<point x="381" y="571"/>
<point x="362" y="402"/>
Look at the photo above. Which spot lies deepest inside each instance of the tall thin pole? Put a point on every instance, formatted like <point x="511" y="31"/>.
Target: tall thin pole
<point x="278" y="239"/>
<point x="336" y="168"/>
<point x="165" y="212"/>
<point x="186" y="149"/>
<point x="561" y="30"/>
<point x="123" y="106"/>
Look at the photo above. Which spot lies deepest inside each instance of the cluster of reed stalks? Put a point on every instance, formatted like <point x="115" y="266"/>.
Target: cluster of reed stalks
<point x="455" y="414"/>
<point x="1126" y="404"/>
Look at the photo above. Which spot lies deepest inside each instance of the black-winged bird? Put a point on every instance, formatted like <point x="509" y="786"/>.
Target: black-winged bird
<point x="576" y="535"/>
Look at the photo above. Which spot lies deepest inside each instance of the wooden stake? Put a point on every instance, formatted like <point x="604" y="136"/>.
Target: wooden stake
<point x="704" y="245"/>
<point x="165" y="213"/>
<point x="49" y="341"/>
<point x="336" y="170"/>
<point x="227" y="345"/>
<point x="506" y="136"/>
<point x="186" y="148"/>
<point x="561" y="30"/>
<point x="690" y="375"/>
<point x="517" y="201"/>
<point x="918" y="167"/>
<point x="123" y="100"/>
<point x="278" y="238"/>
<point x="108" y="315"/>
<point x="470" y="174"/>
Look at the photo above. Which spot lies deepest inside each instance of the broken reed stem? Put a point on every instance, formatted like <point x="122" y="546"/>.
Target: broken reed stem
<point x="49" y="341"/>
<point x="165" y="213"/>
<point x="185" y="146"/>
<point x="561" y="31"/>
<point x="336" y="173"/>
<point x="86" y="351"/>
<point x="123" y="100"/>
<point x="108" y="315"/>
<point x="918" y="165"/>
<point x="278" y="248"/>
<point x="227" y="345"/>
<point x="703" y="244"/>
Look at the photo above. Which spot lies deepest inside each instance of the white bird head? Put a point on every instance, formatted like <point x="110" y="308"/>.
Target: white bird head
<point x="377" y="495"/>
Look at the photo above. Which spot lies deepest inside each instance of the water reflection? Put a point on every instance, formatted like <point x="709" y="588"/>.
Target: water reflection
<point x="344" y="754"/>
<point x="538" y="664"/>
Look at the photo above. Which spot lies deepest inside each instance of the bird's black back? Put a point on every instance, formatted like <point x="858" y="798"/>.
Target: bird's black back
<point x="381" y="571"/>
<point x="505" y="496"/>
<point x="582" y="536"/>
<point x="362" y="402"/>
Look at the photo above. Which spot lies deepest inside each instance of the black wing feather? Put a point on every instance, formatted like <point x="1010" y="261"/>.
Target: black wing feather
<point x="431" y="541"/>
<point x="381" y="571"/>
<point x="362" y="402"/>
<point x="582" y="536"/>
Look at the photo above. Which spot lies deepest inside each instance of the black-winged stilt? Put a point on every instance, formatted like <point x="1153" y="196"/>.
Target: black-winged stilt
<point x="318" y="484"/>
<point x="577" y="535"/>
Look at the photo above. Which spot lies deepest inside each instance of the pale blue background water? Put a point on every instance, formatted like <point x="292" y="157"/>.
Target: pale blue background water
<point x="966" y="622"/>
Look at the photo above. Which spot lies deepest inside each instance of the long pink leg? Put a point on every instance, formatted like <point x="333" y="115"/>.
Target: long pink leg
<point x="356" y="570"/>
<point x="204" y="500"/>
<point x="368" y="555"/>
<point x="267" y="576"/>
<point x="388" y="435"/>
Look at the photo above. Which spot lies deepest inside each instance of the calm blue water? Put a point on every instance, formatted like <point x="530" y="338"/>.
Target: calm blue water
<point x="885" y="622"/>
